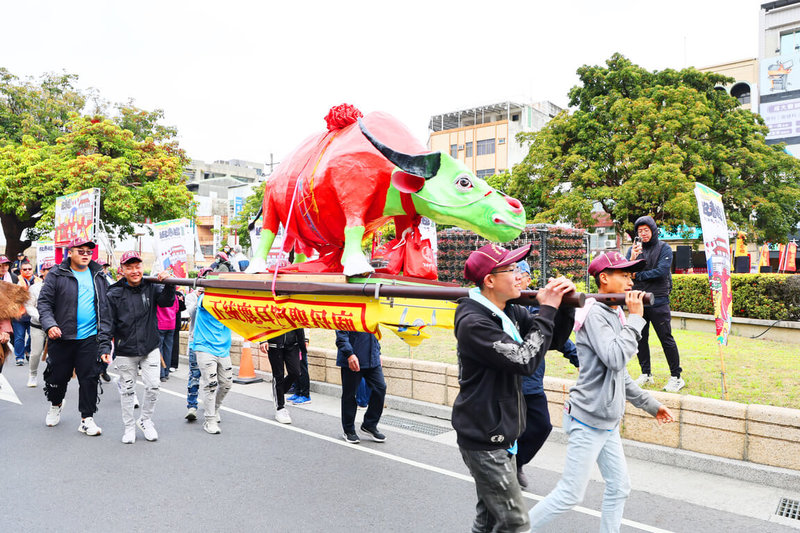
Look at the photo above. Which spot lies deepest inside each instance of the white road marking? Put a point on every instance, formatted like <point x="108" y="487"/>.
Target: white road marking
<point x="6" y="392"/>
<point x="410" y="462"/>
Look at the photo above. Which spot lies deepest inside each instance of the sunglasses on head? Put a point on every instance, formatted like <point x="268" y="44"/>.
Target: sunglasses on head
<point x="81" y="251"/>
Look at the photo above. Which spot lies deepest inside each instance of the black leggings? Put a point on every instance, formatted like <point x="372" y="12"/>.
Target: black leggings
<point x="278" y="357"/>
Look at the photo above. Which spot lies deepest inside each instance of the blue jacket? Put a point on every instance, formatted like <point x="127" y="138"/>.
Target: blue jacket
<point x="364" y="345"/>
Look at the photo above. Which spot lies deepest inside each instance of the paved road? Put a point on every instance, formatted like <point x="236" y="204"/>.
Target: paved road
<point x="259" y="475"/>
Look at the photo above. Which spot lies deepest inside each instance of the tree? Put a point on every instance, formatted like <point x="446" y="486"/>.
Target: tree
<point x="249" y="210"/>
<point x="638" y="141"/>
<point x="132" y="159"/>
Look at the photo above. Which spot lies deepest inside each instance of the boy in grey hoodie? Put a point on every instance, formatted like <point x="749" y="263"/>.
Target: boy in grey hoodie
<point x="606" y="342"/>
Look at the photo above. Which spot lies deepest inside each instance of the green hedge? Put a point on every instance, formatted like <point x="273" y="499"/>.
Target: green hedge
<point x="764" y="296"/>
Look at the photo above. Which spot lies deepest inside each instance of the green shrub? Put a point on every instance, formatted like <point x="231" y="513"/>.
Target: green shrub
<point x="763" y="296"/>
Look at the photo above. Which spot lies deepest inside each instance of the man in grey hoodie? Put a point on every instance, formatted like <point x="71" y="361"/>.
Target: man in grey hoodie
<point x="606" y="342"/>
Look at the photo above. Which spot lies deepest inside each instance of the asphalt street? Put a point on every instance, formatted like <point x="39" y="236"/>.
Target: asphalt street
<point x="259" y="475"/>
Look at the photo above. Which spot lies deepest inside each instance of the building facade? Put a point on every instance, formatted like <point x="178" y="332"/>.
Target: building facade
<point x="484" y="137"/>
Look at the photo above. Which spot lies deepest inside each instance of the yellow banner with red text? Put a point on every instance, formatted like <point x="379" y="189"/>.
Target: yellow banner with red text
<point x="260" y="315"/>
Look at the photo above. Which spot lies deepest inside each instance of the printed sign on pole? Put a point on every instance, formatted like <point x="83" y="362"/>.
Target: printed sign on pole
<point x="173" y="238"/>
<point x="718" y="256"/>
<point x="45" y="251"/>
<point x="76" y="216"/>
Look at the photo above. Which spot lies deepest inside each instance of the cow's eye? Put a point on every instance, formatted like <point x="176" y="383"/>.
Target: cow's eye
<point x="463" y="182"/>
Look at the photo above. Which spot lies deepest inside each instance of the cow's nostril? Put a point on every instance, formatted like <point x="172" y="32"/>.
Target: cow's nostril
<point x="516" y="205"/>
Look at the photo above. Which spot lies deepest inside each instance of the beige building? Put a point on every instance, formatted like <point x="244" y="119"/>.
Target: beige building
<point x="745" y="85"/>
<point x="484" y="137"/>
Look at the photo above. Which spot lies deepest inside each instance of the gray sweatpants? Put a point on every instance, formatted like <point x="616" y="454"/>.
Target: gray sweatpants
<point x="128" y="369"/>
<point x="37" y="347"/>
<point x="217" y="378"/>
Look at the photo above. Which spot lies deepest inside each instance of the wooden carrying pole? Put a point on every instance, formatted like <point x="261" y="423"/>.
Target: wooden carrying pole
<point x="377" y="289"/>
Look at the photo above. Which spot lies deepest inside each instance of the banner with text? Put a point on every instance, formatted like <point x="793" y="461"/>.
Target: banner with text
<point x="258" y="315"/>
<point x="45" y="251"/>
<point x="718" y="256"/>
<point x="172" y="240"/>
<point x="76" y="216"/>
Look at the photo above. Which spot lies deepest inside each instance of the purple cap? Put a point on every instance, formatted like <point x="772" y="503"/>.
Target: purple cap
<point x="47" y="265"/>
<point x="616" y="261"/>
<point x="4" y="259"/>
<point x="75" y="243"/>
<point x="490" y="256"/>
<point x="130" y="256"/>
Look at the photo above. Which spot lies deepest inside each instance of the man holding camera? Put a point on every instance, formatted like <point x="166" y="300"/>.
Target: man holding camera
<point x="656" y="278"/>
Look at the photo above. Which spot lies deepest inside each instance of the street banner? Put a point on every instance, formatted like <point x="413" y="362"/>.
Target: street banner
<point x="787" y="257"/>
<point x="718" y="257"/>
<point x="45" y="251"/>
<point x="741" y="247"/>
<point x="172" y="240"/>
<point x="763" y="257"/>
<point x="77" y="215"/>
<point x="259" y="315"/>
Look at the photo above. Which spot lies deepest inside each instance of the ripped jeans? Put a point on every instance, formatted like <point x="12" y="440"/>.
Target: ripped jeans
<point x="128" y="368"/>
<point x="216" y="378"/>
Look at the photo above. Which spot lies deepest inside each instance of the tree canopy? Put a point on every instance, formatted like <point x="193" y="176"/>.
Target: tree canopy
<point x="49" y="149"/>
<point x="636" y="143"/>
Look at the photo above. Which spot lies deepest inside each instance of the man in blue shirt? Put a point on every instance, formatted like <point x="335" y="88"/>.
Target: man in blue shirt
<point x="211" y="342"/>
<point x="359" y="355"/>
<point x="73" y="312"/>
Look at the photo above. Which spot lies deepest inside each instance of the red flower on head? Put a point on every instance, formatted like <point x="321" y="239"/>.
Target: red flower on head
<point x="342" y="115"/>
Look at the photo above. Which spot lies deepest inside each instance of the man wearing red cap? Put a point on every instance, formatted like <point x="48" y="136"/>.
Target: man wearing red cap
<point x="133" y="304"/>
<point x="74" y="314"/>
<point x="498" y="343"/>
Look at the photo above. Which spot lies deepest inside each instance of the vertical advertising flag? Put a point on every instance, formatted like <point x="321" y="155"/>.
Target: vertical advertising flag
<point x="45" y="251"/>
<point x="76" y="216"/>
<point x="787" y="257"/>
<point x="172" y="240"/>
<point x="763" y="257"/>
<point x="718" y="256"/>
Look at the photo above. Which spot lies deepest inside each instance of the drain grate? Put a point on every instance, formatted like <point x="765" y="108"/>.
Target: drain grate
<point x="789" y="509"/>
<point x="413" y="425"/>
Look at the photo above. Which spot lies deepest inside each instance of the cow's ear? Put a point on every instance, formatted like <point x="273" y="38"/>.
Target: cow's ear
<point x="407" y="183"/>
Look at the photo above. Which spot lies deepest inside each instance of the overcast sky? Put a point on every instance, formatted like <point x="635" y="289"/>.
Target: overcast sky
<point x="243" y="79"/>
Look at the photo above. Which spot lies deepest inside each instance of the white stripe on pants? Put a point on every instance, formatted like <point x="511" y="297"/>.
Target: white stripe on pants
<point x="128" y="369"/>
<point x="217" y="378"/>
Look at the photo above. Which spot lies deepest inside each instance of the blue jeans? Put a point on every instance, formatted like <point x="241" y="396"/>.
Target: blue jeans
<point x="22" y="338"/>
<point x="193" y="384"/>
<point x="165" y="345"/>
<point x="363" y="393"/>
<point x="585" y="447"/>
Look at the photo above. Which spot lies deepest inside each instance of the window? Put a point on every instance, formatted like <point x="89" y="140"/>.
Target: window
<point x="454" y="151"/>
<point x="469" y="149"/>
<point x="515" y="117"/>
<point x="741" y="91"/>
<point x="790" y="42"/>
<point x="486" y="172"/>
<point x="486" y="147"/>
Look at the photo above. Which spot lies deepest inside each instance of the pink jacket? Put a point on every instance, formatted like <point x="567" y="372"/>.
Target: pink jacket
<point x="167" y="316"/>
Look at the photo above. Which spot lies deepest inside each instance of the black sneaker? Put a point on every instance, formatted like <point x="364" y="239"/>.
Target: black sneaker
<point x="105" y="376"/>
<point x="522" y="478"/>
<point x="377" y="436"/>
<point x="352" y="438"/>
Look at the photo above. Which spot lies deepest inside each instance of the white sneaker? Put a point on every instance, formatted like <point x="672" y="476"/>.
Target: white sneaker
<point x="217" y="417"/>
<point x="645" y="379"/>
<point x="674" y="384"/>
<point x="31" y="381"/>
<point x="129" y="437"/>
<point x="210" y="426"/>
<point x="88" y="427"/>
<point x="148" y="429"/>
<point x="191" y="414"/>
<point x="135" y="401"/>
<point x="53" y="416"/>
<point x="282" y="416"/>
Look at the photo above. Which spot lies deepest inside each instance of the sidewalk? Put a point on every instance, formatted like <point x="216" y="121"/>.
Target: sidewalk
<point x="737" y="487"/>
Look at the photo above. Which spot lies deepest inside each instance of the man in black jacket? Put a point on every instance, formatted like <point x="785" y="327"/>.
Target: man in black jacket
<point x="132" y="303"/>
<point x="74" y="313"/>
<point x="498" y="343"/>
<point x="656" y="278"/>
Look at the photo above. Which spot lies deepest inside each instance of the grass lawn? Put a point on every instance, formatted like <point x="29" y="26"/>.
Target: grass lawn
<point x="758" y="371"/>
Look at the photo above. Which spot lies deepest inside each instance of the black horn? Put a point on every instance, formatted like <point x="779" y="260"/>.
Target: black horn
<point x="251" y="226"/>
<point x="423" y="165"/>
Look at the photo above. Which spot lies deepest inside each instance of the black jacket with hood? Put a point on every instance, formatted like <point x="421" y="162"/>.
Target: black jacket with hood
<point x="489" y="411"/>
<point x="58" y="303"/>
<point x="656" y="277"/>
<point x="134" y="325"/>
